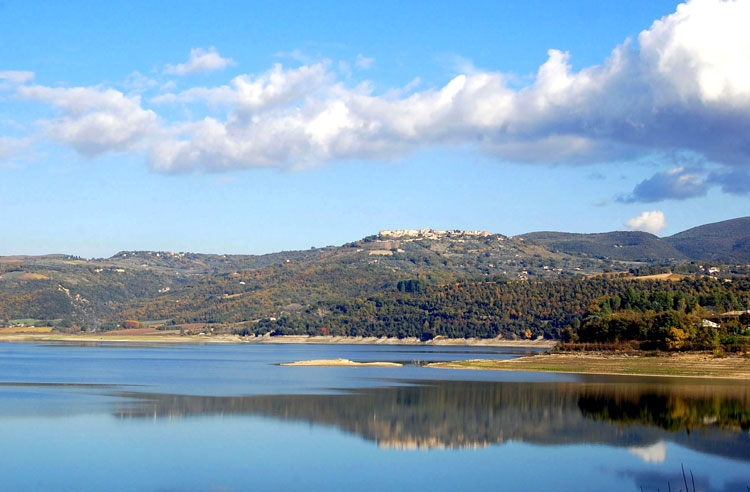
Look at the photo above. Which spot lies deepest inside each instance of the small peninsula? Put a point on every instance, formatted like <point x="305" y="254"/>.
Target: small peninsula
<point x="340" y="362"/>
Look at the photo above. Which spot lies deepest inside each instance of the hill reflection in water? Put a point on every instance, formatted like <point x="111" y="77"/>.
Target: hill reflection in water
<point x="709" y="417"/>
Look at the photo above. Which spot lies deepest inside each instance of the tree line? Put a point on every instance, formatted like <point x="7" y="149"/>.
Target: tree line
<point x="597" y="309"/>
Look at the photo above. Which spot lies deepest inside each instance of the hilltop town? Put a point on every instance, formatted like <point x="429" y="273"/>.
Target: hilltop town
<point x="434" y="234"/>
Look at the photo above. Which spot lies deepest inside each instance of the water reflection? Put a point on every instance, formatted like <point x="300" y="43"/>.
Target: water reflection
<point x="711" y="418"/>
<point x="682" y="408"/>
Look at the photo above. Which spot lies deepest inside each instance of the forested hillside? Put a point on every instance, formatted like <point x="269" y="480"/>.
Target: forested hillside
<point x="421" y="283"/>
<point x="727" y="241"/>
<point x="515" y="309"/>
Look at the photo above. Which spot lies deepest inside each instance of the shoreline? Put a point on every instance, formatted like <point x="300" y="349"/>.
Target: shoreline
<point x="437" y="341"/>
<point x="267" y="339"/>
<point x="683" y="365"/>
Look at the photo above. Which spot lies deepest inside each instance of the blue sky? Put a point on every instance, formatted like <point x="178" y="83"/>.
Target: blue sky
<point x="257" y="127"/>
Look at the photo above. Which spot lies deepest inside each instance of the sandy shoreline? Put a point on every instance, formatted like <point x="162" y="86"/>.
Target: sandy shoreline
<point x="437" y="341"/>
<point x="675" y="365"/>
<point x="267" y="339"/>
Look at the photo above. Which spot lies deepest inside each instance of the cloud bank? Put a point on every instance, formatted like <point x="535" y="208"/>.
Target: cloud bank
<point x="684" y="85"/>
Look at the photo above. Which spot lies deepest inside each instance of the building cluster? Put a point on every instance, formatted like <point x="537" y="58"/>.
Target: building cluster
<point x="429" y="234"/>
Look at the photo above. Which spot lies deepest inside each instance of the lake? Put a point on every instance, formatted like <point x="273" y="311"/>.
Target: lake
<point x="228" y="417"/>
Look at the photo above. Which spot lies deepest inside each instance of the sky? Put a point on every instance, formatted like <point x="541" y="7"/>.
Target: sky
<point x="253" y="127"/>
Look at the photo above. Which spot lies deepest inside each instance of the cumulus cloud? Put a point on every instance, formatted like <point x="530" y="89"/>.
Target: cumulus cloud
<point x="679" y="183"/>
<point x="93" y="120"/>
<point x="652" y="222"/>
<point x="683" y="85"/>
<point x="200" y="61"/>
<point x="636" y="102"/>
<point x="697" y="53"/>
<point x="277" y="87"/>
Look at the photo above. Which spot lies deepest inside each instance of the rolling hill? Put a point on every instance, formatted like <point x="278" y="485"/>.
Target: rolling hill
<point x="621" y="245"/>
<point x="726" y="241"/>
<point x="172" y="288"/>
<point x="723" y="242"/>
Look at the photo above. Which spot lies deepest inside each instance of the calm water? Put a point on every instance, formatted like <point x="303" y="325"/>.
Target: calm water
<point x="224" y="418"/>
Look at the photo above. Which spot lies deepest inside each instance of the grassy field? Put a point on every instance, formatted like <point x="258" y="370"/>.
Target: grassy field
<point x="661" y="276"/>
<point x="25" y="329"/>
<point x="682" y="365"/>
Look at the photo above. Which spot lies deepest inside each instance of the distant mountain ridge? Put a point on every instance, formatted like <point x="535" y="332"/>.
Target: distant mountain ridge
<point x="727" y="241"/>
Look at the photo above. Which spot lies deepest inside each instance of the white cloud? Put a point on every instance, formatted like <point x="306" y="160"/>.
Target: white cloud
<point x="684" y="86"/>
<point x="617" y="110"/>
<point x="656" y="453"/>
<point x="701" y="52"/>
<point x="16" y="76"/>
<point x="94" y="120"/>
<point x="652" y="222"/>
<point x="10" y="79"/>
<point x="200" y="61"/>
<point x="277" y="87"/>
<point x="364" y="62"/>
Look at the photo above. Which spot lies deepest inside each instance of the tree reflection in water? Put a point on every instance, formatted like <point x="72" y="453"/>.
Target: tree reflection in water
<point x="708" y="417"/>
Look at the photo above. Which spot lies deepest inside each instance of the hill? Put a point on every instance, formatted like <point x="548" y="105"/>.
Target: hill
<point x="320" y="287"/>
<point x="621" y="245"/>
<point x="726" y="241"/>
